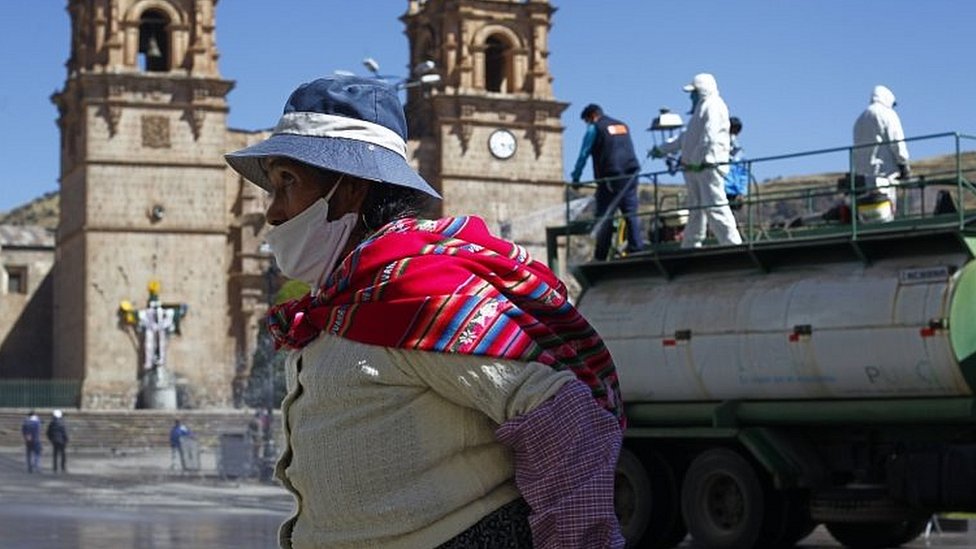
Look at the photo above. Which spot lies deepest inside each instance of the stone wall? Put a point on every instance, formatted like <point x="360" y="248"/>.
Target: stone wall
<point x="105" y="430"/>
<point x="28" y="334"/>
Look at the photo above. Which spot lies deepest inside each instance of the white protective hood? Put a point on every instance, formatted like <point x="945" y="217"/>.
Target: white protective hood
<point x="706" y="137"/>
<point x="880" y="126"/>
<point x="884" y="96"/>
<point x="705" y="84"/>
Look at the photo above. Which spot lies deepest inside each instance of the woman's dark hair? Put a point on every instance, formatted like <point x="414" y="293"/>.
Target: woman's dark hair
<point x="385" y="203"/>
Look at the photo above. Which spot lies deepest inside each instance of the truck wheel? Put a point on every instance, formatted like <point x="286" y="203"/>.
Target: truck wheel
<point x="666" y="528"/>
<point x="631" y="497"/>
<point x="787" y="519"/>
<point x="876" y="535"/>
<point x="646" y="501"/>
<point x="722" y="500"/>
<point x="799" y="525"/>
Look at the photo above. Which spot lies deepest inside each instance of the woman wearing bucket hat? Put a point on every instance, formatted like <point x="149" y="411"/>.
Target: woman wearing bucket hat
<point x="442" y="391"/>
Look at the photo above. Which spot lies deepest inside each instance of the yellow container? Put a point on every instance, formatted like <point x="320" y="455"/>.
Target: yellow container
<point x="875" y="208"/>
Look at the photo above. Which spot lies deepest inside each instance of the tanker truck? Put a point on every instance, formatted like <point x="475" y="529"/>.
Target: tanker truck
<point x="825" y="377"/>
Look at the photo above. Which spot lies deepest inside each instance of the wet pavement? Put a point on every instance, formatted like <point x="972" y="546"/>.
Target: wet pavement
<point x="134" y="500"/>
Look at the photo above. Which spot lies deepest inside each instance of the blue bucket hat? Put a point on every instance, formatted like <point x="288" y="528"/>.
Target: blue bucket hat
<point x="346" y="124"/>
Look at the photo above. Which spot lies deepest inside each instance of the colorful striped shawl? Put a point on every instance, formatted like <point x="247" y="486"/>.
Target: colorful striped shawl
<point x="450" y="286"/>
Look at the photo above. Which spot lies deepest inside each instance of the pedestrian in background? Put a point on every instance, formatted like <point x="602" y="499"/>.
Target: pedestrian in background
<point x="880" y="154"/>
<point x="176" y="435"/>
<point x="615" y="167"/>
<point x="705" y="146"/>
<point x="57" y="434"/>
<point x="737" y="180"/>
<point x="31" y="431"/>
<point x="433" y="366"/>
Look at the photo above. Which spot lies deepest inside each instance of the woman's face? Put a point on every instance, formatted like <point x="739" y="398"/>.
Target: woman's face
<point x="296" y="186"/>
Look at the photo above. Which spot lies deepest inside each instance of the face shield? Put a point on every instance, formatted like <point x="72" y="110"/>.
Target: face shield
<point x="695" y="97"/>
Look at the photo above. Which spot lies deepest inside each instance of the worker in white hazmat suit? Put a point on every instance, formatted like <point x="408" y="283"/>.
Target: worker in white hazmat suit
<point x="880" y="153"/>
<point x="704" y="147"/>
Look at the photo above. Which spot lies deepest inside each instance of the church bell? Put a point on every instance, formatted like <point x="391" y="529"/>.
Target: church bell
<point x="152" y="48"/>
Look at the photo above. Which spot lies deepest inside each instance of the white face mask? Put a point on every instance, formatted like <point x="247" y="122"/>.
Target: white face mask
<point x="307" y="247"/>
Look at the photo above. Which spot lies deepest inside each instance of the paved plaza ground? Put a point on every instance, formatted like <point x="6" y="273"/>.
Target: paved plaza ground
<point x="132" y="499"/>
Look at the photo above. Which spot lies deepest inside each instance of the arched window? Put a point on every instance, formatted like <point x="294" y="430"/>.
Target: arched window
<point x="153" y="41"/>
<point x="498" y="64"/>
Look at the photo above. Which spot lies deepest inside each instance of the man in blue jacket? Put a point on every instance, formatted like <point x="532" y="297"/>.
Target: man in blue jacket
<point x="615" y="167"/>
<point x="737" y="180"/>
<point x="31" y="431"/>
<point x="176" y="435"/>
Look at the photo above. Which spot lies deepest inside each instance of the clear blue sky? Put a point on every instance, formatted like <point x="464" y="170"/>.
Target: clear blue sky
<point x="797" y="72"/>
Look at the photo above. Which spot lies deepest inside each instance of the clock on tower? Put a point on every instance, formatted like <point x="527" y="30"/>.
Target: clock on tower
<point x="502" y="144"/>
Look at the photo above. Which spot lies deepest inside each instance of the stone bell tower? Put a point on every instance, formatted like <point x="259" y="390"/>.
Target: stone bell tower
<point x="143" y="197"/>
<point x="490" y="137"/>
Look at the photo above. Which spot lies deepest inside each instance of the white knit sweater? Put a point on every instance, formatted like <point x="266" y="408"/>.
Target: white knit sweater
<point x="388" y="448"/>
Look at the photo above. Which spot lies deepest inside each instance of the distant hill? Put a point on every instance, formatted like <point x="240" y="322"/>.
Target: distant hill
<point x="931" y="170"/>
<point x="43" y="212"/>
<point x="933" y="167"/>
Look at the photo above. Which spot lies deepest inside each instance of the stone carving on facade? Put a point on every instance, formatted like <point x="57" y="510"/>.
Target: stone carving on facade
<point x="155" y="132"/>
<point x="112" y="115"/>
<point x="196" y="118"/>
<point x="463" y="128"/>
<point x="537" y="136"/>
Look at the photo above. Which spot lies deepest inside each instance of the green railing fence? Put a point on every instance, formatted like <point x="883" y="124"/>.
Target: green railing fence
<point x="39" y="393"/>
<point x="755" y="221"/>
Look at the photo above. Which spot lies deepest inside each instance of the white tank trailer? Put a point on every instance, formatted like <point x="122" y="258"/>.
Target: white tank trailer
<point x="784" y="384"/>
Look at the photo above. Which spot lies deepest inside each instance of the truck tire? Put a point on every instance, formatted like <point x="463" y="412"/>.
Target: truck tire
<point x="646" y="500"/>
<point x="876" y="535"/>
<point x="667" y="526"/>
<point x="632" y="497"/>
<point x="722" y="500"/>
<point x="787" y="519"/>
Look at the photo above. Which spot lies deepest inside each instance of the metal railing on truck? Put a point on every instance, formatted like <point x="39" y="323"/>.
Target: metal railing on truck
<point x="778" y="209"/>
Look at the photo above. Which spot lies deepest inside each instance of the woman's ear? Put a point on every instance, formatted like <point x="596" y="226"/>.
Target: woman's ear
<point x="349" y="197"/>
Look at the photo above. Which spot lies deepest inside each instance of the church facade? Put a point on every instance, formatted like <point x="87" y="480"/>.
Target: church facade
<point x="145" y="196"/>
